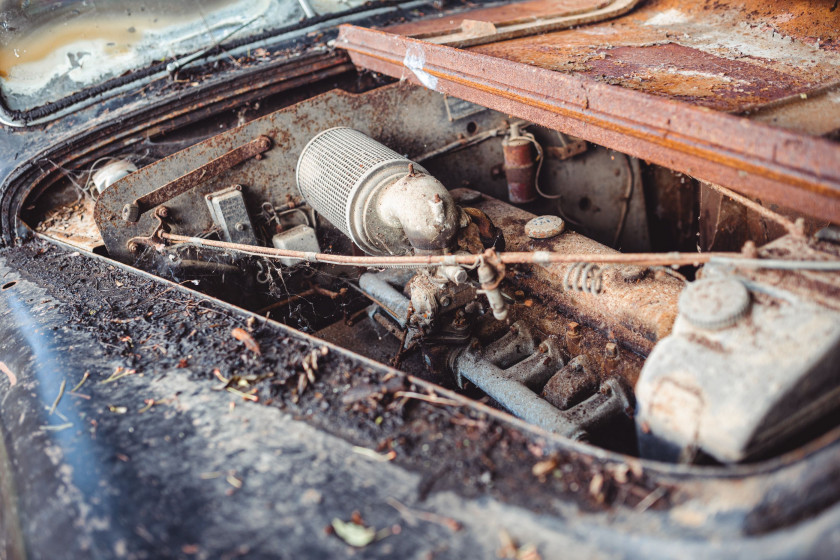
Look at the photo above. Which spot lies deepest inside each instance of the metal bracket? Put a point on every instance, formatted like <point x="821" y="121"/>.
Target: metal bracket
<point x="153" y="240"/>
<point x="132" y="211"/>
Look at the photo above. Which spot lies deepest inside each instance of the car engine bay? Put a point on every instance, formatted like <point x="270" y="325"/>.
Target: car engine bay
<point x="547" y="276"/>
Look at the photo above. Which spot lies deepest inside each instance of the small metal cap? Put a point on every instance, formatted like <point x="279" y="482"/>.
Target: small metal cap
<point x="131" y="212"/>
<point x="545" y="227"/>
<point x="714" y="303"/>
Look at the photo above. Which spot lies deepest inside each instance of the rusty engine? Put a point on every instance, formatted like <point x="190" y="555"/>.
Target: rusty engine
<point x="498" y="258"/>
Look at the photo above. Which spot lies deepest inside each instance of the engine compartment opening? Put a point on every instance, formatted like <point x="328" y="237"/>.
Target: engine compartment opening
<point x="587" y="292"/>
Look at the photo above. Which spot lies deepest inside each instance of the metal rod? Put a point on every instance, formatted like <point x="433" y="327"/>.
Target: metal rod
<point x="537" y="257"/>
<point x="789" y="225"/>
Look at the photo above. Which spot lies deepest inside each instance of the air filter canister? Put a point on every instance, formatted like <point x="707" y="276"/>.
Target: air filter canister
<point x="369" y="192"/>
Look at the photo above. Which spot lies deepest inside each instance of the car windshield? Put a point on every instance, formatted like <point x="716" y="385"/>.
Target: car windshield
<point x="52" y="48"/>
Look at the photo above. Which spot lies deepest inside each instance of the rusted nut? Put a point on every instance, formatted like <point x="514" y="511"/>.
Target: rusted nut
<point x="611" y="350"/>
<point x="240" y="226"/>
<point x="237" y="187"/>
<point x="542" y="348"/>
<point x="131" y="212"/>
<point x="162" y="212"/>
<point x="133" y="247"/>
<point x="264" y="142"/>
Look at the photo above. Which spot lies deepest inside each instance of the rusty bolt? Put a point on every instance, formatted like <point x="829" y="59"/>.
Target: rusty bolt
<point x="258" y="157"/>
<point x="133" y="247"/>
<point x="237" y="187"/>
<point x="573" y="329"/>
<point x="542" y="348"/>
<point x="611" y="350"/>
<point x="264" y="143"/>
<point x="239" y="226"/>
<point x="161" y="211"/>
<point x="445" y="301"/>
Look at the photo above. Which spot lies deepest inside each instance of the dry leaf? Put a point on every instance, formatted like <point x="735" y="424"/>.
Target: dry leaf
<point x="243" y="336"/>
<point x="353" y="534"/>
<point x="544" y="467"/>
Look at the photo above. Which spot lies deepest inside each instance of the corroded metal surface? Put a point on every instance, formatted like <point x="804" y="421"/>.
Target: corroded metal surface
<point x="779" y="166"/>
<point x="638" y="312"/>
<point x="514" y="20"/>
<point x="421" y="114"/>
<point x="195" y="177"/>
<point x="724" y="55"/>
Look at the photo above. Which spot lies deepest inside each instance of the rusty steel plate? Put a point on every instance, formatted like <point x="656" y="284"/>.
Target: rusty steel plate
<point x="422" y="112"/>
<point x="539" y="79"/>
<point x="517" y="19"/>
<point x="724" y="55"/>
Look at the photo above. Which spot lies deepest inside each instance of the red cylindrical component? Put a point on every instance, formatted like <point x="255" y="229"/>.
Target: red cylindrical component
<point x="520" y="170"/>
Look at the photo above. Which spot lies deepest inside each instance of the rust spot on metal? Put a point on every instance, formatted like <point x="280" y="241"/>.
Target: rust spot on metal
<point x="691" y="75"/>
<point x="197" y="176"/>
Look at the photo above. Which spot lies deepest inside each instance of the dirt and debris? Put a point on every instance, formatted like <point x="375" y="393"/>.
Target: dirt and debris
<point x="453" y="447"/>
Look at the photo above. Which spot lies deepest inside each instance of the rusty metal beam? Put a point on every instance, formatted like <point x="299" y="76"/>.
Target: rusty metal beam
<point x="778" y="166"/>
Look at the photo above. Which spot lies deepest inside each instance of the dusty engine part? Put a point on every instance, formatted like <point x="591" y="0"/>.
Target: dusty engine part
<point x="132" y="211"/>
<point x="638" y="312"/>
<point x="545" y="227"/>
<point x="384" y="202"/>
<point x="520" y="167"/>
<point x="382" y="287"/>
<point x="110" y="173"/>
<point x="735" y="380"/>
<point x="229" y="213"/>
<point x="514" y="370"/>
<point x="297" y="238"/>
<point x="490" y="279"/>
<point x="572" y="384"/>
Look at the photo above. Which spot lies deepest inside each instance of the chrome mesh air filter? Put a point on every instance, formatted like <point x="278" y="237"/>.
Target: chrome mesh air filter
<point x="340" y="171"/>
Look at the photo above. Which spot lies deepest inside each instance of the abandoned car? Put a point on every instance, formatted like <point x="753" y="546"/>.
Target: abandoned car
<point x="447" y="278"/>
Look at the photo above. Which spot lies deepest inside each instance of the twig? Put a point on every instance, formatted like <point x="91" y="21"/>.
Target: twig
<point x="371" y="454"/>
<point x="58" y="428"/>
<point x="119" y="373"/>
<point x="82" y="382"/>
<point x="58" y="398"/>
<point x="246" y="396"/>
<point x="650" y="499"/>
<point x="426" y="398"/>
<point x="412" y="515"/>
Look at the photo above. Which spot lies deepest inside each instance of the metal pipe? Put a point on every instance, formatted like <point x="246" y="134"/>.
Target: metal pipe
<point x="535" y="257"/>
<point x="389" y="298"/>
<point x="515" y="396"/>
